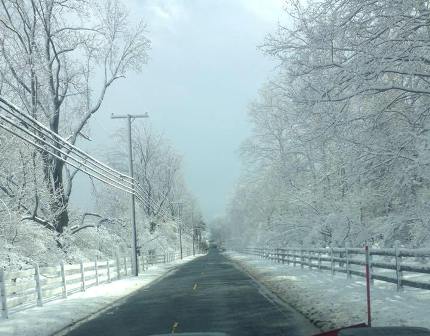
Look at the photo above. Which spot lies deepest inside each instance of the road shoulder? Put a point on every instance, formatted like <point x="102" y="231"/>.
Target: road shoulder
<point x="273" y="297"/>
<point x="57" y="317"/>
<point x="332" y="301"/>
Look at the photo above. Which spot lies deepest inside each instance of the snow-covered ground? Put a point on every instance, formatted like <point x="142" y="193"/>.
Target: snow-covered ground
<point x="333" y="301"/>
<point x="57" y="315"/>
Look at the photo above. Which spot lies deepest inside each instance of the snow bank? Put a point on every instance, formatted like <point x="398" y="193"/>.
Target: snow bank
<point x="57" y="315"/>
<point x="333" y="301"/>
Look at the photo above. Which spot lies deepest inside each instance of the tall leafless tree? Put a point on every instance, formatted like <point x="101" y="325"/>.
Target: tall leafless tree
<point x="52" y="56"/>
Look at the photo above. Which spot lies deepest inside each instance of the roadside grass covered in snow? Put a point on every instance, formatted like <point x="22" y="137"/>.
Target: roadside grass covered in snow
<point x="333" y="301"/>
<point x="57" y="315"/>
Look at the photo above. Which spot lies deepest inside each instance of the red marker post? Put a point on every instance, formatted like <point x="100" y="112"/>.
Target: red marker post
<point x="369" y="315"/>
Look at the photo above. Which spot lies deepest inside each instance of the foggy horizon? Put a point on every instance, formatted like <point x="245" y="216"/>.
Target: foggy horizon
<point x="196" y="87"/>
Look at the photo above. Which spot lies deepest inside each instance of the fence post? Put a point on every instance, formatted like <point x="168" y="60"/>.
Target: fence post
<point x="96" y="271"/>
<point x="142" y="256"/>
<point x="399" y="273"/>
<point x="348" y="271"/>
<point x="125" y="266"/>
<point x="332" y="260"/>
<point x="83" y="287"/>
<point x="4" y="311"/>
<point x="118" y="268"/>
<point x="164" y="258"/>
<point x="38" y="287"/>
<point x="108" y="270"/>
<point x="369" y="315"/>
<point x="63" y="279"/>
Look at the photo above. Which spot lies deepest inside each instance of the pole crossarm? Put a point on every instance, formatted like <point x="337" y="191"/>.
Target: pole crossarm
<point x="131" y="116"/>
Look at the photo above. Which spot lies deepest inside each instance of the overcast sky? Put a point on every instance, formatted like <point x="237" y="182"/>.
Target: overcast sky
<point x="203" y="72"/>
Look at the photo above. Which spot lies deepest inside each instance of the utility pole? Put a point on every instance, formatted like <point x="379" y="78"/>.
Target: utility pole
<point x="180" y="236"/>
<point x="179" y="213"/>
<point x="194" y="231"/>
<point x="130" y="118"/>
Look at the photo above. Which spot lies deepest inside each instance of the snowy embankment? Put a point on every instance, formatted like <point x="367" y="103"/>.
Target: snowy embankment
<point x="58" y="315"/>
<point x="333" y="301"/>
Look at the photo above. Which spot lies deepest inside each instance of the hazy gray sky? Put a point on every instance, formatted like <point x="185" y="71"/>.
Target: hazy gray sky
<point x="204" y="70"/>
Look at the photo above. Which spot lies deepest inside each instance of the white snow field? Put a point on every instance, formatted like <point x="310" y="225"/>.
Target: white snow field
<point x="333" y="301"/>
<point x="57" y="315"/>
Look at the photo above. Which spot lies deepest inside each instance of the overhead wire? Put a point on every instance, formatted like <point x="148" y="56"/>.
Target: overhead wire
<point x="40" y="128"/>
<point x="112" y="183"/>
<point x="66" y="156"/>
<point x="59" y="157"/>
<point x="126" y="184"/>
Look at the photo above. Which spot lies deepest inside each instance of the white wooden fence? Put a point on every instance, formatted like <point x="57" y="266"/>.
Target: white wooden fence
<point x="37" y="285"/>
<point x="402" y="267"/>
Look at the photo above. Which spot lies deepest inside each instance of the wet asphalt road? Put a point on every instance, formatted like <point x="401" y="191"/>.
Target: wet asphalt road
<point x="208" y="294"/>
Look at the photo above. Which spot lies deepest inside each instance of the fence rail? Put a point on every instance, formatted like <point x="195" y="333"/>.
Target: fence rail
<point x="402" y="267"/>
<point x="37" y="285"/>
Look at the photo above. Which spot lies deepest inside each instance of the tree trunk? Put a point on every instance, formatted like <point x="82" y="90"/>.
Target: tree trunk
<point x="53" y="173"/>
<point x="60" y="203"/>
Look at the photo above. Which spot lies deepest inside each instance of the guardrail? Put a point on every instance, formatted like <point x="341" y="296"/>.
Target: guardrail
<point x="36" y="285"/>
<point x="402" y="267"/>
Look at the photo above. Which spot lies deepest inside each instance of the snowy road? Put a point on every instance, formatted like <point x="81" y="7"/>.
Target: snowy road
<point x="208" y="294"/>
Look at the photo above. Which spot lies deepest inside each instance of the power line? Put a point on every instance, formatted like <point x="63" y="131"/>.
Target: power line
<point x="108" y="175"/>
<point x="39" y="127"/>
<point x="59" y="157"/>
<point x="66" y="156"/>
<point x="72" y="151"/>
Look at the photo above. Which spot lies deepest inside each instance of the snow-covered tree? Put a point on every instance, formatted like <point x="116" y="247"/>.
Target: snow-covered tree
<point x="52" y="54"/>
<point x="340" y="148"/>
